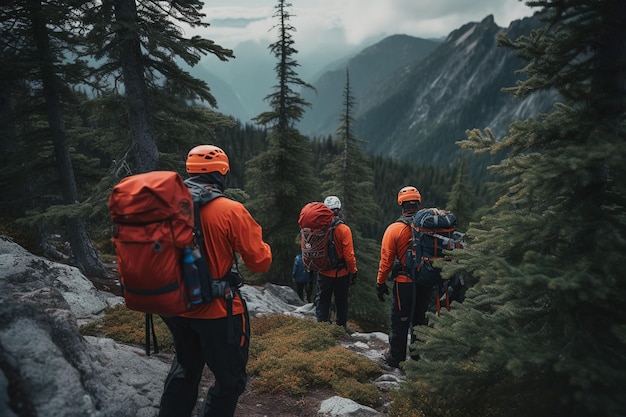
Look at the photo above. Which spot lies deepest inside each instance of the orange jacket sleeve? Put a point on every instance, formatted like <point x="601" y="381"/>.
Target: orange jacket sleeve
<point x="228" y="227"/>
<point x="395" y="243"/>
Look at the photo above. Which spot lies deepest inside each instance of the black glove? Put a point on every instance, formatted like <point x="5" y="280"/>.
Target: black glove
<point x="382" y="290"/>
<point x="353" y="279"/>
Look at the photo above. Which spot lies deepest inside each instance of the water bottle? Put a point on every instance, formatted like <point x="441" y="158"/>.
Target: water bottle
<point x="191" y="277"/>
<point x="196" y="254"/>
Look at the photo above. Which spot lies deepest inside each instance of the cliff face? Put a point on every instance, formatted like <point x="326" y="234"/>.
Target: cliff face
<point x="457" y="87"/>
<point x="422" y="106"/>
<point x="368" y="69"/>
<point x="413" y="98"/>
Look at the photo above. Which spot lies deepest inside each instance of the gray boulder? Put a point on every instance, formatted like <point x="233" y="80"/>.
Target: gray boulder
<point x="48" y="368"/>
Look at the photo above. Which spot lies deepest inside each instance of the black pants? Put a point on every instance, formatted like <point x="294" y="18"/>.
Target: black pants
<point x="199" y="342"/>
<point x="326" y="288"/>
<point x="401" y="305"/>
<point x="308" y="286"/>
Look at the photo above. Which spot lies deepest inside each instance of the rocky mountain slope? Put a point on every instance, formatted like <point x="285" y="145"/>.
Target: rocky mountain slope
<point x="368" y="69"/>
<point x="422" y="111"/>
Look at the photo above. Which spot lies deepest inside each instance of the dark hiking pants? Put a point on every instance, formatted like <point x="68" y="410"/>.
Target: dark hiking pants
<point x="328" y="286"/>
<point x="401" y="305"/>
<point x="300" y="289"/>
<point x="199" y="342"/>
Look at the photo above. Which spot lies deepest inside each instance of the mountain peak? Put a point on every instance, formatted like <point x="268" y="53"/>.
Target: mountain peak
<point x="420" y="113"/>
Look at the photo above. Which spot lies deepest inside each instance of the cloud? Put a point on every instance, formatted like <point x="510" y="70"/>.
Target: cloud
<point x="427" y="19"/>
<point x="350" y="22"/>
<point x="237" y="12"/>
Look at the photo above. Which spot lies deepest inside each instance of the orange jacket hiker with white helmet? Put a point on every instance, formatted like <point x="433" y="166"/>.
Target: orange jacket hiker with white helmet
<point x="337" y="281"/>
<point x="395" y="242"/>
<point x="209" y="335"/>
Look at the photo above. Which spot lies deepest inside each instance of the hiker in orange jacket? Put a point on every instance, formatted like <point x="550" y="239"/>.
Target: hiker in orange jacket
<point x="396" y="241"/>
<point x="337" y="281"/>
<point x="211" y="334"/>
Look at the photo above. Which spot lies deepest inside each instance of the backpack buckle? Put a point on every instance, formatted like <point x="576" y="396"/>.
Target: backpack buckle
<point x="228" y="293"/>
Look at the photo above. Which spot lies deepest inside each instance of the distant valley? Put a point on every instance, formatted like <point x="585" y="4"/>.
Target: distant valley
<point x="414" y="98"/>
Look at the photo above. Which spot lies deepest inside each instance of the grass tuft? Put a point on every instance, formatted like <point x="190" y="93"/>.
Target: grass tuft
<point x="362" y="393"/>
<point x="291" y="355"/>
<point x="128" y="326"/>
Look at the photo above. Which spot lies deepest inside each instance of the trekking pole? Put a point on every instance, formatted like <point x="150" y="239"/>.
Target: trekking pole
<point x="149" y="329"/>
<point x="415" y="271"/>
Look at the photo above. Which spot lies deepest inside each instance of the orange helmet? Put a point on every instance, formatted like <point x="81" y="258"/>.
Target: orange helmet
<point x="207" y="158"/>
<point x="409" y="193"/>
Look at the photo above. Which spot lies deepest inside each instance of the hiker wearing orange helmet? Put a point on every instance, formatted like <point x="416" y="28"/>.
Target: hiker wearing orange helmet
<point x="216" y="334"/>
<point x="395" y="243"/>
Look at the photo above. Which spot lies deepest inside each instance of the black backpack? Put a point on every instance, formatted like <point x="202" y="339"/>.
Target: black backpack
<point x="433" y="231"/>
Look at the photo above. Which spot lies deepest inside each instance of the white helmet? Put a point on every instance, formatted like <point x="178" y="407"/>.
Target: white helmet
<point x="332" y="202"/>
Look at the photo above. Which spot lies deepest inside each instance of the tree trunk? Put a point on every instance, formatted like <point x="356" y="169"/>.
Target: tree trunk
<point x="7" y="112"/>
<point x="141" y="129"/>
<point x="83" y="252"/>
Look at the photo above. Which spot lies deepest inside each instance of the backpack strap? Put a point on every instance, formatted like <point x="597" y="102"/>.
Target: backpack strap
<point x="398" y="268"/>
<point x="227" y="286"/>
<point x="340" y="262"/>
<point x="202" y="194"/>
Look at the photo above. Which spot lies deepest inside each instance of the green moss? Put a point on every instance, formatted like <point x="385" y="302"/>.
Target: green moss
<point x="291" y="355"/>
<point x="362" y="393"/>
<point x="127" y="326"/>
<point x="21" y="234"/>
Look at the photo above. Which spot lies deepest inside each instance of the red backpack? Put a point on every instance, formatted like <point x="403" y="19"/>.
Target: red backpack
<point x="153" y="215"/>
<point x="317" y="224"/>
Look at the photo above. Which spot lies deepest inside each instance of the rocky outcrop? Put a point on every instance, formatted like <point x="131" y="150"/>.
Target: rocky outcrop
<point x="47" y="368"/>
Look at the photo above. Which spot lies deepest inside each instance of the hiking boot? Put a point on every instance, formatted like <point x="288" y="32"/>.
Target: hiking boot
<point x="390" y="360"/>
<point x="349" y="330"/>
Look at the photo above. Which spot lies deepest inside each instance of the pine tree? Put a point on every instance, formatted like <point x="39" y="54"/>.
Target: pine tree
<point x="542" y="332"/>
<point x="281" y="180"/>
<point x="36" y="52"/>
<point x="287" y="105"/>
<point x="54" y="57"/>
<point x="461" y="198"/>
<point x="350" y="177"/>
<point x="139" y="43"/>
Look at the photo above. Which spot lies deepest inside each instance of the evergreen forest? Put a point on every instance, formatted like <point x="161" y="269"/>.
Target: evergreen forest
<point x="91" y="92"/>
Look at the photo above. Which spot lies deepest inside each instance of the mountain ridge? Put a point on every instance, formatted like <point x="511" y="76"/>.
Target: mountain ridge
<point x="422" y="112"/>
<point x="414" y="98"/>
<point x="371" y="66"/>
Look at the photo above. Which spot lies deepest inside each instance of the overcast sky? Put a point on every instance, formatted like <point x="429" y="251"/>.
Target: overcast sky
<point x="351" y="22"/>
